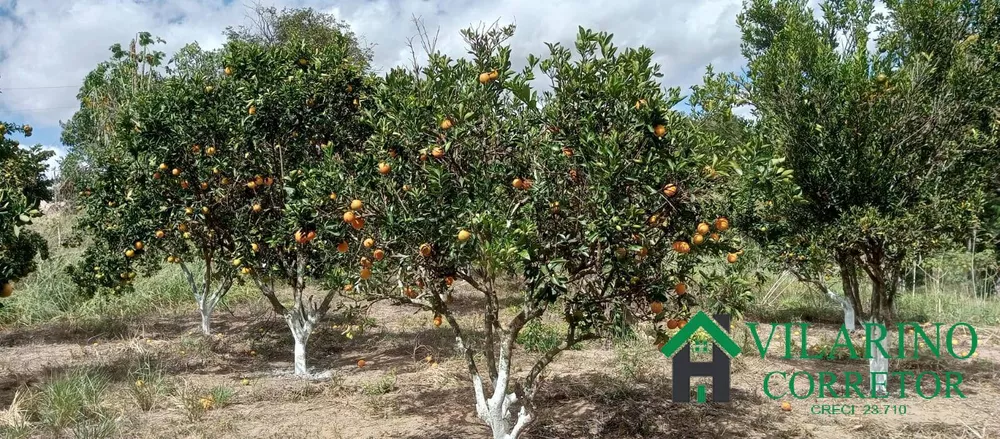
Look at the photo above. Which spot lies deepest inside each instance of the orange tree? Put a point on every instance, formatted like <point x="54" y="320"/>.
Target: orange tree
<point x="300" y="109"/>
<point x="597" y="200"/>
<point x="23" y="186"/>
<point x="105" y="173"/>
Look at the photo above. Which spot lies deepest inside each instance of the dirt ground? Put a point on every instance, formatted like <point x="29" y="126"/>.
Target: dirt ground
<point x="400" y="394"/>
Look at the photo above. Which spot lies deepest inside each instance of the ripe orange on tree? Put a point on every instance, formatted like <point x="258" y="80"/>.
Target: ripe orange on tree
<point x="437" y="152"/>
<point x="437" y="321"/>
<point x="681" y="288"/>
<point x="446" y="124"/>
<point x="383" y="168"/>
<point x="7" y="289"/>
<point x="349" y="217"/>
<point x="356" y="205"/>
<point x="659" y="130"/>
<point x="379" y="254"/>
<point x="656" y="307"/>
<point x="703" y="228"/>
<point x="732" y="258"/>
<point x="342" y="247"/>
<point x="464" y="235"/>
<point x="425" y="250"/>
<point x="368" y="243"/>
<point x="722" y="224"/>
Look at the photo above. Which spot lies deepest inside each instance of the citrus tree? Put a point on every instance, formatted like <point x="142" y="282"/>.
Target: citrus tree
<point x="595" y="195"/>
<point x="872" y="139"/>
<point x="100" y="167"/>
<point x="23" y="186"/>
<point x="882" y="146"/>
<point x="301" y="106"/>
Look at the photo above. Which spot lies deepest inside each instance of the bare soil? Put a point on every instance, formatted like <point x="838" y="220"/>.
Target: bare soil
<point x="400" y="394"/>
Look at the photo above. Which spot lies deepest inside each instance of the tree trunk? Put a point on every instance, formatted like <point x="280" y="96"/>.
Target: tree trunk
<point x="301" y="325"/>
<point x="206" y="318"/>
<point x="853" y="309"/>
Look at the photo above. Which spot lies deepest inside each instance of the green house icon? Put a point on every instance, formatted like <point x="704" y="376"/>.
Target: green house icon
<point x="679" y="348"/>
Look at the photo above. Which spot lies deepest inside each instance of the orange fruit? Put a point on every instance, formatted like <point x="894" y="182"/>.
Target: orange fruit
<point x="567" y="152"/>
<point x="365" y="262"/>
<point x="518" y="183"/>
<point x="257" y="208"/>
<point x="722" y="224"/>
<point x="298" y="236"/>
<point x="368" y="243"/>
<point x="333" y="195"/>
<point x="446" y="124"/>
<point x="175" y="172"/>
<point x="731" y="258"/>
<point x="494" y="75"/>
<point x="410" y="293"/>
<point x="670" y="190"/>
<point x="163" y="167"/>
<point x="703" y="228"/>
<point x="160" y="234"/>
<point x="258" y="180"/>
<point x="449" y="280"/>
<point x="229" y="71"/>
<point x="7" y="289"/>
<point x="349" y="217"/>
<point x="682" y="247"/>
<point x="714" y="237"/>
<point x="252" y="185"/>
<point x="268" y="181"/>
<point x="656" y="307"/>
<point x="255" y="247"/>
<point x="366" y="273"/>
<point x="348" y="287"/>
<point x="484" y="78"/>
<point x="156" y="176"/>
<point x="786" y="406"/>
<point x="356" y="205"/>
<point x="425" y="249"/>
<point x="640" y="103"/>
<point x="437" y="321"/>
<point x="358" y="223"/>
<point x="204" y="186"/>
<point x="129" y="253"/>
<point x="182" y="227"/>
<point x="681" y="289"/>
<point x="423" y="156"/>
<point x="342" y="247"/>
<point x="379" y="254"/>
<point x="361" y="363"/>
<point x="671" y="324"/>
<point x="311" y="235"/>
<point x="252" y="110"/>
<point x="659" y="130"/>
<point x="210" y="151"/>
<point x="464" y="235"/>
<point x="437" y="152"/>
<point x="139" y="245"/>
<point x="406" y="188"/>
<point x="698" y="239"/>
<point x="225" y="180"/>
<point x="383" y="168"/>
<point x="681" y="323"/>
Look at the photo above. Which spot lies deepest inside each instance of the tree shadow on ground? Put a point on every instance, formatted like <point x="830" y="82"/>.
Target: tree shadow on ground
<point x="599" y="406"/>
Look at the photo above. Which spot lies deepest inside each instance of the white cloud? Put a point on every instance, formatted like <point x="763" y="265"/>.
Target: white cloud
<point x="56" y="42"/>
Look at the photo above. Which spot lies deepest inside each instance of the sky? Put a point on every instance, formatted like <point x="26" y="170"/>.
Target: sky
<point x="48" y="46"/>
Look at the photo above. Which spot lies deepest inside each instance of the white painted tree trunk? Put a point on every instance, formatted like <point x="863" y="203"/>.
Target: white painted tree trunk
<point x="496" y="410"/>
<point x="879" y="363"/>
<point x="206" y="319"/>
<point x="301" y="323"/>
<point x="849" y="321"/>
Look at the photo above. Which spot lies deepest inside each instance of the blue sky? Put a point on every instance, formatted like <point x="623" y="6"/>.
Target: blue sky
<point x="50" y="45"/>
